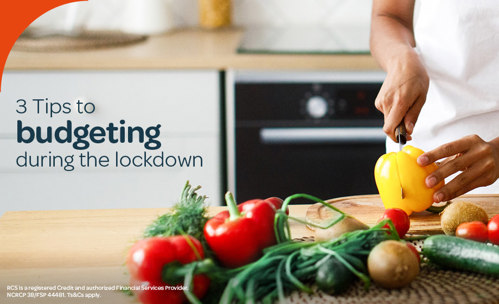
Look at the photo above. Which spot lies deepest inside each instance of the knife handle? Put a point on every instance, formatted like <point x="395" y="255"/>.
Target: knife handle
<point x="401" y="133"/>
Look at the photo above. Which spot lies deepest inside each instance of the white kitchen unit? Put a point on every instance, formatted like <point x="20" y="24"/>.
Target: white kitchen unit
<point x="186" y="103"/>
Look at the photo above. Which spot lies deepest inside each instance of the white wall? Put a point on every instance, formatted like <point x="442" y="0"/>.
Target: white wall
<point x="112" y="14"/>
<point x="301" y="12"/>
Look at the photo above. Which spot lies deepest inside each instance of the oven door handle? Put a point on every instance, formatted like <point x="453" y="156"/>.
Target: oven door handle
<point x="334" y="135"/>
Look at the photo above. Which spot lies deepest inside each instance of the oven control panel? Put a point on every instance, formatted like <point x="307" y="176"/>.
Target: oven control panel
<point x="306" y="103"/>
<point x="318" y="106"/>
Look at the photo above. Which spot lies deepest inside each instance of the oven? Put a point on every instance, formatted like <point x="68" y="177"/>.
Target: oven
<point x="303" y="132"/>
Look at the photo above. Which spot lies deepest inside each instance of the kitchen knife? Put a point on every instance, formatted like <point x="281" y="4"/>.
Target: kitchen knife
<point x="401" y="136"/>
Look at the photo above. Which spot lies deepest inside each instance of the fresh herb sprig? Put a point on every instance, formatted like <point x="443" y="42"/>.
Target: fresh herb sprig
<point x="188" y="216"/>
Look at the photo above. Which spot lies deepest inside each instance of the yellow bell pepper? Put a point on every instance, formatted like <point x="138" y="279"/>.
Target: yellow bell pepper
<point x="400" y="169"/>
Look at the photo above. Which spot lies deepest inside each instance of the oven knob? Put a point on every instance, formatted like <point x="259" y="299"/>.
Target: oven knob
<point x="317" y="107"/>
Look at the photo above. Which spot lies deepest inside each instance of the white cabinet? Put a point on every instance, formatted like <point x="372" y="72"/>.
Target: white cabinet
<point x="185" y="103"/>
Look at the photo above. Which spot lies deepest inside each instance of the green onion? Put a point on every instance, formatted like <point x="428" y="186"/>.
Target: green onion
<point x="292" y="265"/>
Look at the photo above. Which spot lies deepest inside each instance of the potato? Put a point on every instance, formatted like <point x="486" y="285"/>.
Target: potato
<point x="321" y="215"/>
<point x="461" y="212"/>
<point x="392" y="264"/>
<point x="345" y="225"/>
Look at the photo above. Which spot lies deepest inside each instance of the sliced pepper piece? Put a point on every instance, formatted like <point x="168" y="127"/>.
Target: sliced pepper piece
<point x="397" y="170"/>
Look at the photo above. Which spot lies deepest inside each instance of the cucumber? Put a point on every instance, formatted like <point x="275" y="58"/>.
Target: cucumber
<point x="462" y="254"/>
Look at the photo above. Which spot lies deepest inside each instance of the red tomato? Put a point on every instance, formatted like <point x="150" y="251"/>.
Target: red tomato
<point x="146" y="260"/>
<point x="413" y="249"/>
<point x="493" y="228"/>
<point x="148" y="256"/>
<point x="399" y="218"/>
<point x="476" y="231"/>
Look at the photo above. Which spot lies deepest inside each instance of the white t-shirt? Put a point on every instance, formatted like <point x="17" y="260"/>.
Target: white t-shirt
<point x="458" y="41"/>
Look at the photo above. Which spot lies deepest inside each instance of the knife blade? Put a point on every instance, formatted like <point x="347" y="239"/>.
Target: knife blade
<point x="401" y="136"/>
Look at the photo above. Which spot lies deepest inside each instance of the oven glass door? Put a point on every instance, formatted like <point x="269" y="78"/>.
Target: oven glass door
<point x="314" y="133"/>
<point x="326" y="163"/>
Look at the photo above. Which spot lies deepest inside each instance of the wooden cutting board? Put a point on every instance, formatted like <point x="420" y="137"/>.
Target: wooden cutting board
<point x="369" y="208"/>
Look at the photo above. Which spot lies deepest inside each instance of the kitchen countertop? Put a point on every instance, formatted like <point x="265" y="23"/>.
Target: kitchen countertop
<point x="78" y="247"/>
<point x="69" y="248"/>
<point x="28" y="238"/>
<point x="185" y="49"/>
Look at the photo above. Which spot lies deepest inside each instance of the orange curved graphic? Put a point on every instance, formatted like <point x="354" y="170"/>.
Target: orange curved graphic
<point x="15" y="16"/>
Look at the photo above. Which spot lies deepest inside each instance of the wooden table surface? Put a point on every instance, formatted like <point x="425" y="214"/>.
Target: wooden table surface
<point x="69" y="248"/>
<point x="77" y="247"/>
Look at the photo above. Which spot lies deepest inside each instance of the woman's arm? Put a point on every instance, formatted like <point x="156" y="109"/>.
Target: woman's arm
<point x="391" y="30"/>
<point x="392" y="43"/>
<point x="403" y="94"/>
<point x="476" y="159"/>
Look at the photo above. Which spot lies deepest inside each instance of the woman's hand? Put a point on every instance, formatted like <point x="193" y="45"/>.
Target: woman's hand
<point x="403" y="93"/>
<point x="477" y="160"/>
